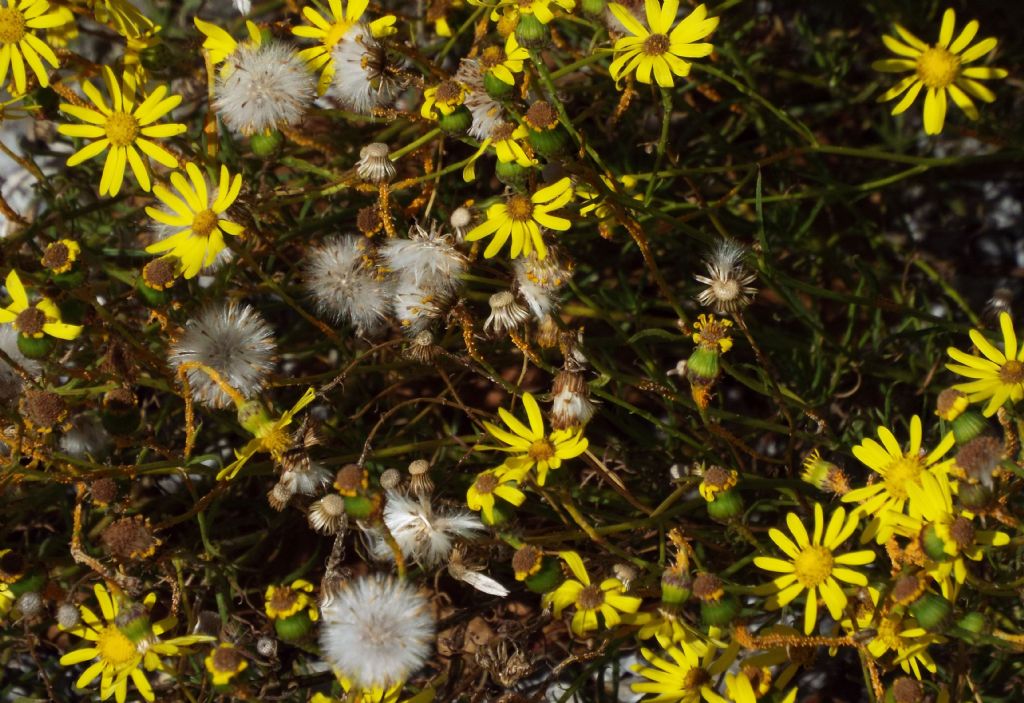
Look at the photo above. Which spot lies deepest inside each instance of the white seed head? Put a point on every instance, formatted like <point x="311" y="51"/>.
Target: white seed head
<point x="86" y="438"/>
<point x="232" y="339"/>
<point x="538" y="282"/>
<point x="375" y="166"/>
<point x="376" y="630"/>
<point x="570" y="401"/>
<point x="266" y="647"/>
<point x="270" y="87"/>
<point x="417" y="307"/>
<point x="427" y="260"/>
<point x="727" y="283"/>
<point x="486" y="111"/>
<point x="361" y="80"/>
<point x="424" y="535"/>
<point x="343" y="282"/>
<point x="68" y="615"/>
<point x="461" y="220"/>
<point x="10" y="380"/>
<point x="327" y="515"/>
<point x="29" y="604"/>
<point x="506" y="313"/>
<point x="306" y="480"/>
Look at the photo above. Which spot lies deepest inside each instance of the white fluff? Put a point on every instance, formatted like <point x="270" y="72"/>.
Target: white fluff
<point x="486" y="111"/>
<point x="10" y="381"/>
<point x="269" y="87"/>
<point x="342" y="281"/>
<point x="416" y="307"/>
<point x="423" y="534"/>
<point x="358" y="81"/>
<point x="235" y="341"/>
<point x="376" y="630"/>
<point x="427" y="259"/>
<point x="538" y="282"/>
<point x="243" y="6"/>
<point x="86" y="439"/>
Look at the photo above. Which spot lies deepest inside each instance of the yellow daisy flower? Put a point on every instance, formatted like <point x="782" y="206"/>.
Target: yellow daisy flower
<point x="590" y="599"/>
<point x="503" y="63"/>
<point x="814" y="566"/>
<point x="124" y="643"/>
<point x="269" y="434"/>
<point x="892" y="632"/>
<point x="282" y="602"/>
<point x="999" y="376"/>
<point x="752" y="684"/>
<point x="126" y="19"/>
<point x="541" y="9"/>
<point x="35" y="319"/>
<point x="943" y="528"/>
<point x="330" y="32"/>
<point x="520" y="218"/>
<point x="662" y="49"/>
<point x="442" y="99"/>
<point x="19" y="44"/>
<point x="377" y="694"/>
<point x="687" y="675"/>
<point x="710" y="332"/>
<point x="219" y="45"/>
<point x="530" y="446"/>
<point x="61" y="35"/>
<point x="898" y="469"/>
<point x="122" y="128"/>
<point x="940" y="68"/>
<point x="224" y="663"/>
<point x="194" y="216"/>
<point x="507" y="140"/>
<point x="491" y="483"/>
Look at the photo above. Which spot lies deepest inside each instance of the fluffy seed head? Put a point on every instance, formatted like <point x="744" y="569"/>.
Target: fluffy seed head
<point x="417" y="307"/>
<point x="728" y="280"/>
<point x="29" y="604"/>
<point x="570" y="401"/>
<point x="424" y="535"/>
<point x="376" y="630"/>
<point x="361" y="81"/>
<point x="68" y="615"/>
<point x="235" y="341"/>
<point x="269" y="87"/>
<point x="266" y="647"/>
<point x="342" y="280"/>
<point x="539" y="281"/>
<point x="486" y="111"/>
<point x="85" y="438"/>
<point x="427" y="260"/>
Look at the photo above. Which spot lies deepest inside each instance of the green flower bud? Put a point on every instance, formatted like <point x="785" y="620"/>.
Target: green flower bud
<point x="531" y="32"/>
<point x="726" y="506"/>
<point x="457" y="122"/>
<point x="968" y="425"/>
<point x="932" y="611"/>
<point x="294" y="627"/>
<point x="35" y="347"/>
<point x="266" y="144"/>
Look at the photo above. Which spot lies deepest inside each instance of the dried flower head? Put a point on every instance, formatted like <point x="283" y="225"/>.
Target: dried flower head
<point x="486" y="111"/>
<point x="506" y="313"/>
<point x="424" y="534"/>
<point x="427" y="260"/>
<point x="461" y="221"/>
<point x="376" y="630"/>
<point x="570" y="401"/>
<point x="42" y="411"/>
<point x="375" y="166"/>
<point x="419" y="478"/>
<point x="363" y="77"/>
<point x="85" y="438"/>
<point x="235" y="341"/>
<point x="538" y="281"/>
<point x="268" y="88"/>
<point x="421" y="347"/>
<point x="728" y="280"/>
<point x="979" y="459"/>
<point x="129" y="538"/>
<point x="327" y="515"/>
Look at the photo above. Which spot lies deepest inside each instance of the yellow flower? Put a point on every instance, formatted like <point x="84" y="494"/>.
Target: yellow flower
<point x="894" y="633"/>
<point x="933" y="517"/>
<point x="687" y="676"/>
<point x="941" y="69"/>
<point x="124" y="643"/>
<point x="37" y="319"/>
<point x="520" y="218"/>
<point x="61" y="35"/>
<point x="377" y="694"/>
<point x="662" y="49"/>
<point x="282" y="602"/>
<point x="598" y="205"/>
<point x="710" y="332"/>
<point x="752" y="684"/>
<point x="507" y="139"/>
<point x="541" y="9"/>
<point x="665" y="626"/>
<point x="491" y="483"/>
<point x="330" y="33"/>
<point x="19" y="44"/>
<point x="590" y="599"/>
<point x="220" y="45"/>
<point x="814" y="566"/>
<point x="126" y="19"/>
<point x="999" y="376"/>
<point x="269" y="434"/>
<point x="502" y="64"/>
<point x="531" y="446"/>
<point x="442" y="98"/>
<point x="123" y="126"/>
<point x="134" y="47"/>
<point x="194" y="217"/>
<point x="224" y="662"/>
<point x="883" y="499"/>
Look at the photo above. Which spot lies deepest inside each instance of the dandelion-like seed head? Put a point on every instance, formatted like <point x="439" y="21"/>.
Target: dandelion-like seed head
<point x="506" y="313"/>
<point x="269" y="88"/>
<point x="727" y="281"/>
<point x="427" y="260"/>
<point x="342" y="280"/>
<point x="235" y="341"/>
<point x="363" y="77"/>
<point x="424" y="533"/>
<point x="376" y="630"/>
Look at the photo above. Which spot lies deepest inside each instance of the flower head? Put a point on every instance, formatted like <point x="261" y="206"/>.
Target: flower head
<point x="442" y="99"/>
<point x="428" y="259"/>
<point x="813" y="564"/>
<point x="687" y="675"/>
<point x="939" y="69"/>
<point x="607" y="598"/>
<point x="220" y="46"/>
<point x="531" y="446"/>
<point x="341" y="24"/>
<point x="728" y="281"/>
<point x="503" y="63"/>
<point x="376" y="630"/>
<point x="20" y="45"/>
<point x="123" y="643"/>
<point x="712" y="333"/>
<point x="34" y="319"/>
<point x="232" y="339"/>
<point x="521" y="217"/>
<point x="269" y="433"/>
<point x="662" y="49"/>
<point x="281" y="602"/>
<point x="122" y="129"/>
<point x="997" y="377"/>
<point x="194" y="222"/>
<point x="898" y="469"/>
<point x="892" y="632"/>
<point x="490" y="484"/>
<point x="224" y="663"/>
